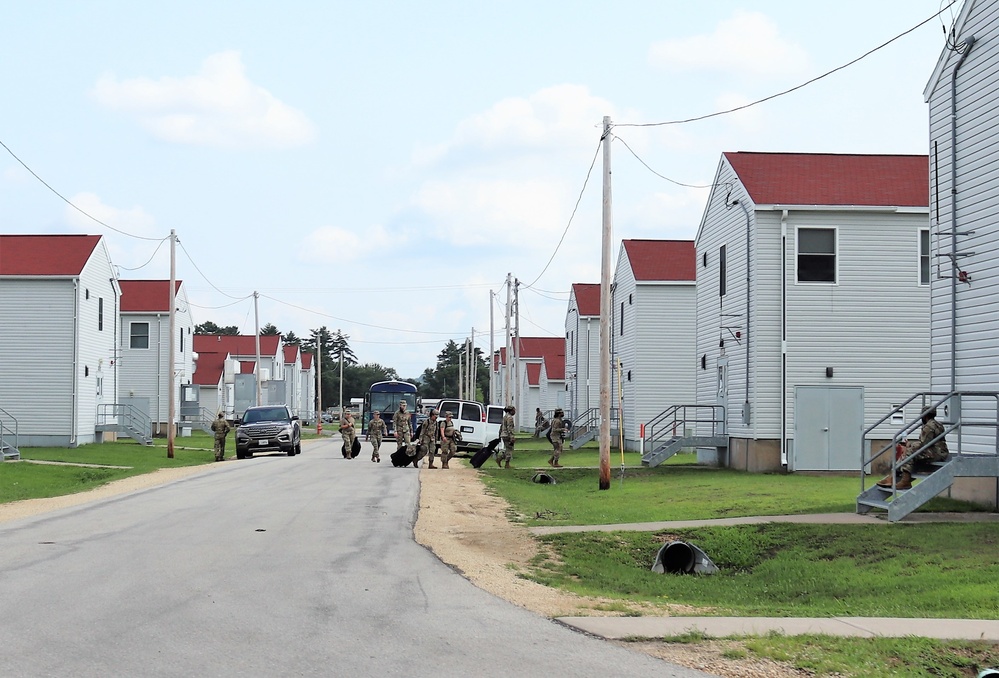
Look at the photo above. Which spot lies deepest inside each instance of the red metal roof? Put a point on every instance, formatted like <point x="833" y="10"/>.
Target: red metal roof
<point x="208" y="368"/>
<point x="237" y="344"/>
<point x="290" y="353"/>
<point x="533" y="373"/>
<point x="830" y="179"/>
<point x="247" y="366"/>
<point x="62" y="255"/>
<point x="146" y="296"/>
<point x="587" y="298"/>
<point x="549" y="349"/>
<point x="667" y="260"/>
<point x="306" y="361"/>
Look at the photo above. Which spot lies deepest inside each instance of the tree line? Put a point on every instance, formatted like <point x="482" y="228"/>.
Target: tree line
<point x="439" y="381"/>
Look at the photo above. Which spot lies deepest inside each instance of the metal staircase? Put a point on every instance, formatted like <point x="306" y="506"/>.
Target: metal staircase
<point x="681" y="426"/>
<point x="939" y="476"/>
<point x="8" y="436"/>
<point x="125" y="419"/>
<point x="586" y="426"/>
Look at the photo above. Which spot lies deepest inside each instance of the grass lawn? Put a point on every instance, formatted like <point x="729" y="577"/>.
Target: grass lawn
<point x="19" y="480"/>
<point x="886" y="570"/>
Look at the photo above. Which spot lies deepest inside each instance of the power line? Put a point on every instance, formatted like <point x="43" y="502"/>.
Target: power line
<point x="571" y="216"/>
<point x="188" y="255"/>
<point x="213" y="308"/>
<point x="355" y="322"/>
<point x="148" y="261"/>
<point x="672" y="181"/>
<point x="70" y="202"/>
<point x="787" y="91"/>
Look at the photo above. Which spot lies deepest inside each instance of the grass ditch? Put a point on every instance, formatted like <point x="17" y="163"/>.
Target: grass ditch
<point x="908" y="570"/>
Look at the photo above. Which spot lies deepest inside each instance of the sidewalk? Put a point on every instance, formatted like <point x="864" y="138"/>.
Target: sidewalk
<point x="616" y="628"/>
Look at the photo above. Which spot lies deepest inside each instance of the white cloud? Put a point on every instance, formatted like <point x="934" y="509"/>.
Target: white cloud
<point x="219" y="106"/>
<point x="748" y="43"/>
<point x="470" y="211"/>
<point x="334" y="245"/>
<point x="134" y="221"/>
<point x="555" y="117"/>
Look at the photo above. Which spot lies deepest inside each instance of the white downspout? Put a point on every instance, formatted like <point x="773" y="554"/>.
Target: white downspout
<point x="76" y="362"/>
<point x="783" y="338"/>
<point x="159" y="371"/>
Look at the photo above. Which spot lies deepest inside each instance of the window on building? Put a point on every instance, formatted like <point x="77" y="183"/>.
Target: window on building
<point x="138" y="335"/>
<point x="817" y="255"/>
<point x="622" y="318"/>
<point x="722" y="271"/>
<point x="100" y="314"/>
<point x="182" y="340"/>
<point x="924" y="256"/>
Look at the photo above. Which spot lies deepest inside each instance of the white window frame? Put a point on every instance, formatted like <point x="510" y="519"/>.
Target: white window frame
<point x="835" y="254"/>
<point x="921" y="255"/>
<point x="132" y="336"/>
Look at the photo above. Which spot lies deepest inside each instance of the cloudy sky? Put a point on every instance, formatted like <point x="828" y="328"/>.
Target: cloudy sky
<point x="380" y="167"/>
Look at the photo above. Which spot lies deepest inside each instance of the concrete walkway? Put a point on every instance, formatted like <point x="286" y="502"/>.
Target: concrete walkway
<point x="719" y="627"/>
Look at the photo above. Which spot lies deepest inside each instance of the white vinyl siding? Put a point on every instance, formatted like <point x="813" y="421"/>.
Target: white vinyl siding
<point x="36" y="354"/>
<point x="977" y="174"/>
<point x="656" y="350"/>
<point x="871" y="327"/>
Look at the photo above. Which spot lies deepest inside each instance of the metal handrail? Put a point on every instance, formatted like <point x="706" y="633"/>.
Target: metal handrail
<point x="124" y="415"/>
<point x="6" y="430"/>
<point x="927" y="399"/>
<point x="676" y="417"/>
<point x="587" y="421"/>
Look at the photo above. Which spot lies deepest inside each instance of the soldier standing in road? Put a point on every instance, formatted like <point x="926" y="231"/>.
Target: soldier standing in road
<point x="376" y="429"/>
<point x="508" y="430"/>
<point x="557" y="435"/>
<point x="347" y="432"/>
<point x="221" y="428"/>
<point x="403" y="426"/>
<point x="449" y="444"/>
<point x="428" y="437"/>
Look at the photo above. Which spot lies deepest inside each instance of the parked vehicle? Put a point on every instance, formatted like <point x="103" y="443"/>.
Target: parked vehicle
<point x="494" y="419"/>
<point x="267" y="428"/>
<point x="469" y="417"/>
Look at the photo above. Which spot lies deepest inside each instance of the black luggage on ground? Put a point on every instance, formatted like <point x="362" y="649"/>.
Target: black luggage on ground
<point x="400" y="458"/>
<point x="480" y="457"/>
<point x="355" y="449"/>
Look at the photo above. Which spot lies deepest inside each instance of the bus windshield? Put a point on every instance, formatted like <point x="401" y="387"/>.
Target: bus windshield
<point x="384" y="397"/>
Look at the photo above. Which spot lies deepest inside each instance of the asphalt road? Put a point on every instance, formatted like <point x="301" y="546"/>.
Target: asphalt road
<point x="272" y="566"/>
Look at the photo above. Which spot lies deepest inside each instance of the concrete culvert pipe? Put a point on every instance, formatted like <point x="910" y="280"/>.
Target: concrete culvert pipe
<point x="543" y="478"/>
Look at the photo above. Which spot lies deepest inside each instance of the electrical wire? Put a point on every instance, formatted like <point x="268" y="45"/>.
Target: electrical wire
<point x="188" y="255"/>
<point x="70" y="202"/>
<point x="574" y="209"/>
<point x="672" y="181"/>
<point x="214" y="308"/>
<point x="148" y="261"/>
<point x="355" y="322"/>
<point x="787" y="91"/>
<point x="547" y="296"/>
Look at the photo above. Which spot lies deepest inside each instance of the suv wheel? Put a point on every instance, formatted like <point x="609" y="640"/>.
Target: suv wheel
<point x="298" y="447"/>
<point x="240" y="454"/>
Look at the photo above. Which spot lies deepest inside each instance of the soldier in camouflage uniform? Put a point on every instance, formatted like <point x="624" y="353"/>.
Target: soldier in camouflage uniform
<point x="347" y="432"/>
<point x="449" y="445"/>
<point x="508" y="431"/>
<point x="376" y="429"/>
<point x="557" y="435"/>
<point x="936" y="451"/>
<point x="403" y="426"/>
<point x="221" y="428"/>
<point x="428" y="437"/>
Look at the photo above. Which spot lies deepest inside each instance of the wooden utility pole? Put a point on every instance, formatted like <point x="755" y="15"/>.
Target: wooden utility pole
<point x="507" y="398"/>
<point x="492" y="351"/>
<point x="319" y="382"/>
<point x="256" y="339"/>
<point x="172" y="397"/>
<point x="516" y="345"/>
<point x="472" y="366"/>
<point x="605" y="314"/>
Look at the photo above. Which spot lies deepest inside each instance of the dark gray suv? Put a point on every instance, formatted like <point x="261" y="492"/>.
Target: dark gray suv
<point x="267" y="428"/>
